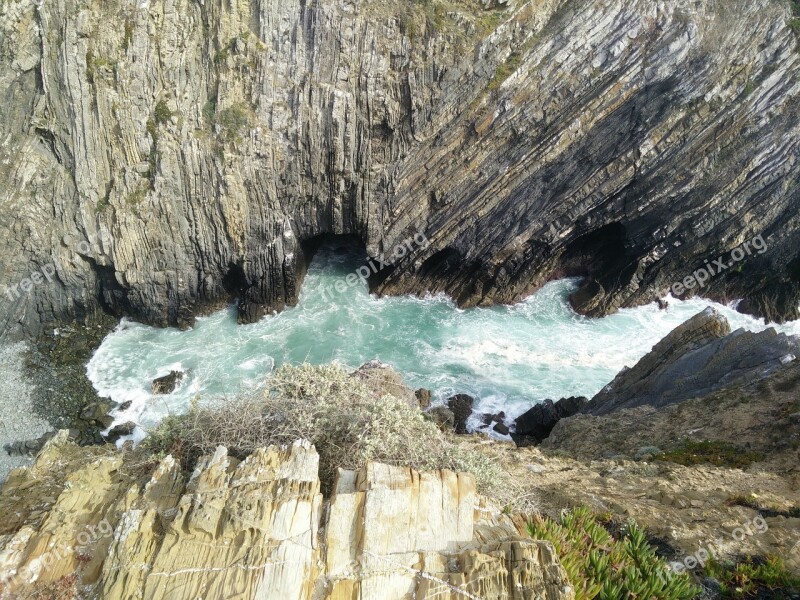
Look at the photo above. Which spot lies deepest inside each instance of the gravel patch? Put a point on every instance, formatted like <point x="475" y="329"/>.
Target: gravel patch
<point x="18" y="420"/>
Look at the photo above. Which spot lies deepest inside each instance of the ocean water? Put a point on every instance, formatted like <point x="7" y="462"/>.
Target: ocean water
<point x="508" y="357"/>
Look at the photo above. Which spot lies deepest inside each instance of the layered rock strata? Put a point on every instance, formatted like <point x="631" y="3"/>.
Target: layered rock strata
<point x="261" y="529"/>
<point x="160" y="158"/>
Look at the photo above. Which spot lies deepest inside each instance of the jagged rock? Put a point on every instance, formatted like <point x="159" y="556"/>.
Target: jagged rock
<point x="423" y="398"/>
<point x="259" y="529"/>
<point x="191" y="151"/>
<point x="96" y="411"/>
<point x="695" y="359"/>
<point x="167" y="383"/>
<point x="461" y="405"/>
<point x="534" y="425"/>
<point x="119" y="431"/>
<point x="28" y="447"/>
<point x="501" y="428"/>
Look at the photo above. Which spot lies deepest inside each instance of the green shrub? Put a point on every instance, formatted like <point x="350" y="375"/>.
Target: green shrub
<point x="750" y="577"/>
<point x="233" y="122"/>
<point x="162" y="113"/>
<point x="720" y="454"/>
<point x="347" y="423"/>
<point x="602" y="567"/>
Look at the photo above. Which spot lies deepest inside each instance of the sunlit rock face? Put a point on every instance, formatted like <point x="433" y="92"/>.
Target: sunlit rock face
<point x="260" y="528"/>
<point x="159" y="158"/>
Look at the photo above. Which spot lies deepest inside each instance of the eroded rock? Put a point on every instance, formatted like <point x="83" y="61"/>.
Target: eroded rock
<point x="258" y="529"/>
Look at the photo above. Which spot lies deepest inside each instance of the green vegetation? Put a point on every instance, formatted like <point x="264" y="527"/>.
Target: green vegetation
<point x="504" y="71"/>
<point x="348" y="423"/>
<point x="233" y="122"/>
<point x="720" y="454"/>
<point x="127" y="37"/>
<point x="94" y="64"/>
<point x="794" y="24"/>
<point x="747" y="578"/>
<point x="162" y="113"/>
<point x="605" y="568"/>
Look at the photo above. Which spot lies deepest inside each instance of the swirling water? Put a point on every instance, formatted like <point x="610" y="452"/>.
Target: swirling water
<point x="509" y="357"/>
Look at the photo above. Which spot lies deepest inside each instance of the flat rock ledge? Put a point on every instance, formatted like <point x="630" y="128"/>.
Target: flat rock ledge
<point x="260" y="528"/>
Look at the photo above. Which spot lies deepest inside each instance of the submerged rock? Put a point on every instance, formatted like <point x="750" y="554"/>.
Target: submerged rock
<point x="119" y="431"/>
<point x="167" y="383"/>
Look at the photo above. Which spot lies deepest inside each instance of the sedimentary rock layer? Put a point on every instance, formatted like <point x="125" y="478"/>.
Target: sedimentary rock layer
<point x="697" y="358"/>
<point x="160" y="157"/>
<point x="260" y="529"/>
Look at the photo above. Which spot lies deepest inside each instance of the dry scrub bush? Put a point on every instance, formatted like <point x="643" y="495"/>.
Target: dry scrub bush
<point x="347" y="423"/>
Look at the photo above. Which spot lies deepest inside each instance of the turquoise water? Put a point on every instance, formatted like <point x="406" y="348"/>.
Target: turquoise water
<point x="509" y="357"/>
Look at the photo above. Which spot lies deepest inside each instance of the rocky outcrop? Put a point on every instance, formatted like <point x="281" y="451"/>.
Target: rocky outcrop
<point x="166" y="384"/>
<point x="461" y="406"/>
<point x="535" y="424"/>
<point x="160" y="158"/>
<point x="697" y="358"/>
<point x="261" y="529"/>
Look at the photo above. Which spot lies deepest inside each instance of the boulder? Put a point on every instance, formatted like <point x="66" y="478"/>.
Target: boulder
<point x="461" y="405"/>
<point x="535" y="425"/>
<point x="167" y="383"/>
<point x="119" y="431"/>
<point x="423" y="398"/>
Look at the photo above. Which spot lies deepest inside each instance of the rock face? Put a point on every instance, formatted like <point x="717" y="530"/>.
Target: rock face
<point x="160" y="158"/>
<point x="695" y="359"/>
<point x="261" y="529"/>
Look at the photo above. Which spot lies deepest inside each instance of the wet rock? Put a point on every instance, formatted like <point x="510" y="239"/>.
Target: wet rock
<point x="167" y="383"/>
<point x="208" y="221"/>
<point x="96" y="411"/>
<point x="119" y="431"/>
<point x="125" y="405"/>
<point x="461" y="405"/>
<point x="501" y="428"/>
<point x="535" y="425"/>
<point x="28" y="447"/>
<point x="423" y="396"/>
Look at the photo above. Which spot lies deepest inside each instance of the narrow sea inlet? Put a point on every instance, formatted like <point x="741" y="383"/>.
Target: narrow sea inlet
<point x="508" y="357"/>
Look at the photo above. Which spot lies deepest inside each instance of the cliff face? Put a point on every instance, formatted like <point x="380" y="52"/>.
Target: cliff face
<point x="260" y="529"/>
<point x="162" y="156"/>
